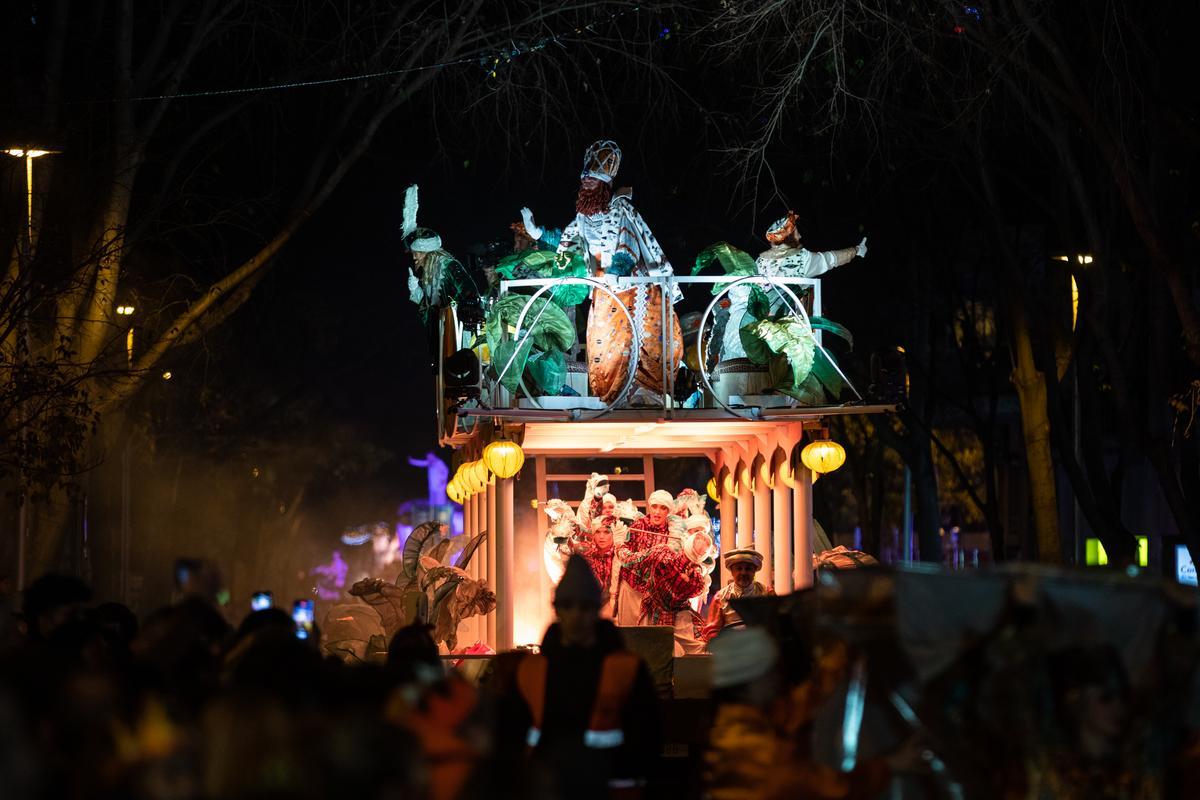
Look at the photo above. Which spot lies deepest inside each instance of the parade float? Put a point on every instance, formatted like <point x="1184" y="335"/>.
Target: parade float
<point x="576" y="349"/>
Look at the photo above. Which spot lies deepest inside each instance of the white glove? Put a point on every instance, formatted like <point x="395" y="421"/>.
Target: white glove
<point x="861" y="249"/>
<point x="534" y="231"/>
<point x="415" y="293"/>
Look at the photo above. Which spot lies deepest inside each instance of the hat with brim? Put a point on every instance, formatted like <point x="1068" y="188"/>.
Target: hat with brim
<point x="744" y="556"/>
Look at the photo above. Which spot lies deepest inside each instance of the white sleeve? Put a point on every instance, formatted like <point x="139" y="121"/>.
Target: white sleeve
<point x="820" y="263"/>
<point x="652" y="252"/>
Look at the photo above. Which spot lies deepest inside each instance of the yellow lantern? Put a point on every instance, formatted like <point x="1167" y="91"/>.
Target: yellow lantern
<point x="454" y="492"/>
<point x="480" y="472"/>
<point x="470" y="477"/>
<point x="823" y="456"/>
<point x="712" y="490"/>
<point x="504" y="458"/>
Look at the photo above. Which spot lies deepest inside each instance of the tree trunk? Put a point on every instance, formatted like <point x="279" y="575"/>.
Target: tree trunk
<point x="927" y="515"/>
<point x="1030" y="384"/>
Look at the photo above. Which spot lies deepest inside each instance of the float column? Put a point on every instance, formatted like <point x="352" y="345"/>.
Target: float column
<point x="782" y="508"/>
<point x="728" y="511"/>
<point x="762" y="524"/>
<point x="490" y="500"/>
<point x="504" y="564"/>
<point x="802" y="528"/>
<point x="745" y="508"/>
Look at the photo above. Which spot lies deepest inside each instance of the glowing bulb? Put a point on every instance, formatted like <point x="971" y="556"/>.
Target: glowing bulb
<point x="167" y="375"/>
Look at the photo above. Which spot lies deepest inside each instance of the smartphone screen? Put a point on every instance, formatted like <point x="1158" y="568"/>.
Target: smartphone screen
<point x="260" y="601"/>
<point x="302" y="613"/>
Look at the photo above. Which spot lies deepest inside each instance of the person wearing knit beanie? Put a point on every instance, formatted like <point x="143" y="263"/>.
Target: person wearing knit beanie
<point x="578" y="584"/>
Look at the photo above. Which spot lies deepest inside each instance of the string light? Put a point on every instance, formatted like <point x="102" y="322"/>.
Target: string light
<point x="489" y="63"/>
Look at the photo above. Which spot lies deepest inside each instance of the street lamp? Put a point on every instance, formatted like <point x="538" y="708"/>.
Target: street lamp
<point x="29" y="154"/>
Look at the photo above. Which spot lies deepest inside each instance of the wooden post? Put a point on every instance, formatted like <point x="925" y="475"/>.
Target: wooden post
<point x="782" y="508"/>
<point x="490" y="500"/>
<point x="504" y="564"/>
<point x="802" y="528"/>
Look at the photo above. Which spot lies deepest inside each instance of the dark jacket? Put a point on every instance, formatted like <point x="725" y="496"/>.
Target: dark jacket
<point x="561" y="760"/>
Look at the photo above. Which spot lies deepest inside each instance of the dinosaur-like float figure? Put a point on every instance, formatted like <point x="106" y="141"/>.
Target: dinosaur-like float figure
<point x="427" y="590"/>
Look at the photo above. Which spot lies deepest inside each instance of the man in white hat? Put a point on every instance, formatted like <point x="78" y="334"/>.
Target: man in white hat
<point x="742" y="565"/>
<point x="644" y="533"/>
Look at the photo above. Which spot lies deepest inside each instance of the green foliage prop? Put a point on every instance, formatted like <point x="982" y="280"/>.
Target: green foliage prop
<point x="545" y="337"/>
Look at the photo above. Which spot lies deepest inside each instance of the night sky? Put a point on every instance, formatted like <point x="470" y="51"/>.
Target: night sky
<point x="966" y="181"/>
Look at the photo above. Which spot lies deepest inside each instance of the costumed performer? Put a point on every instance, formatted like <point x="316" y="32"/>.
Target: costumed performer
<point x="672" y="580"/>
<point x="785" y="258"/>
<point x="743" y="565"/>
<point x="688" y="503"/>
<point x="592" y="504"/>
<point x="562" y="536"/>
<point x="599" y="550"/>
<point x="611" y="236"/>
<point x="645" y="532"/>
<point x="440" y="279"/>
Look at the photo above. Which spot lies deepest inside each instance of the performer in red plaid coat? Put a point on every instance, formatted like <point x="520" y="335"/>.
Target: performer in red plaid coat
<point x="672" y="578"/>
<point x="599" y="550"/>
<point x="644" y="533"/>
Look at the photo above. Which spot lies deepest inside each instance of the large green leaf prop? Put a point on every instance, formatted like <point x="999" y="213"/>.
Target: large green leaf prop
<point x="734" y="262"/>
<point x="545" y="329"/>
<point x="802" y="370"/>
<point x="758" y="308"/>
<point x="548" y="264"/>
<point x="836" y="328"/>
<point x="548" y="370"/>
<point x="791" y="336"/>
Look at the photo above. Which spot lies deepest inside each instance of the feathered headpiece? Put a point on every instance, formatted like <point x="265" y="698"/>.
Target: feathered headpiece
<point x="418" y="240"/>
<point x="601" y="161"/>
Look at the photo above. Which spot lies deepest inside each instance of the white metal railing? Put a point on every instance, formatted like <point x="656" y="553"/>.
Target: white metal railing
<point x="785" y="290"/>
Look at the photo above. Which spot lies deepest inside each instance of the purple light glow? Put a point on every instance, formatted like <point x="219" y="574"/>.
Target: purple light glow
<point x="331" y="577"/>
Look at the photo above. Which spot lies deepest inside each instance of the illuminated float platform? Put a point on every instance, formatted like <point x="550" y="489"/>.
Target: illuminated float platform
<point x="763" y="490"/>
